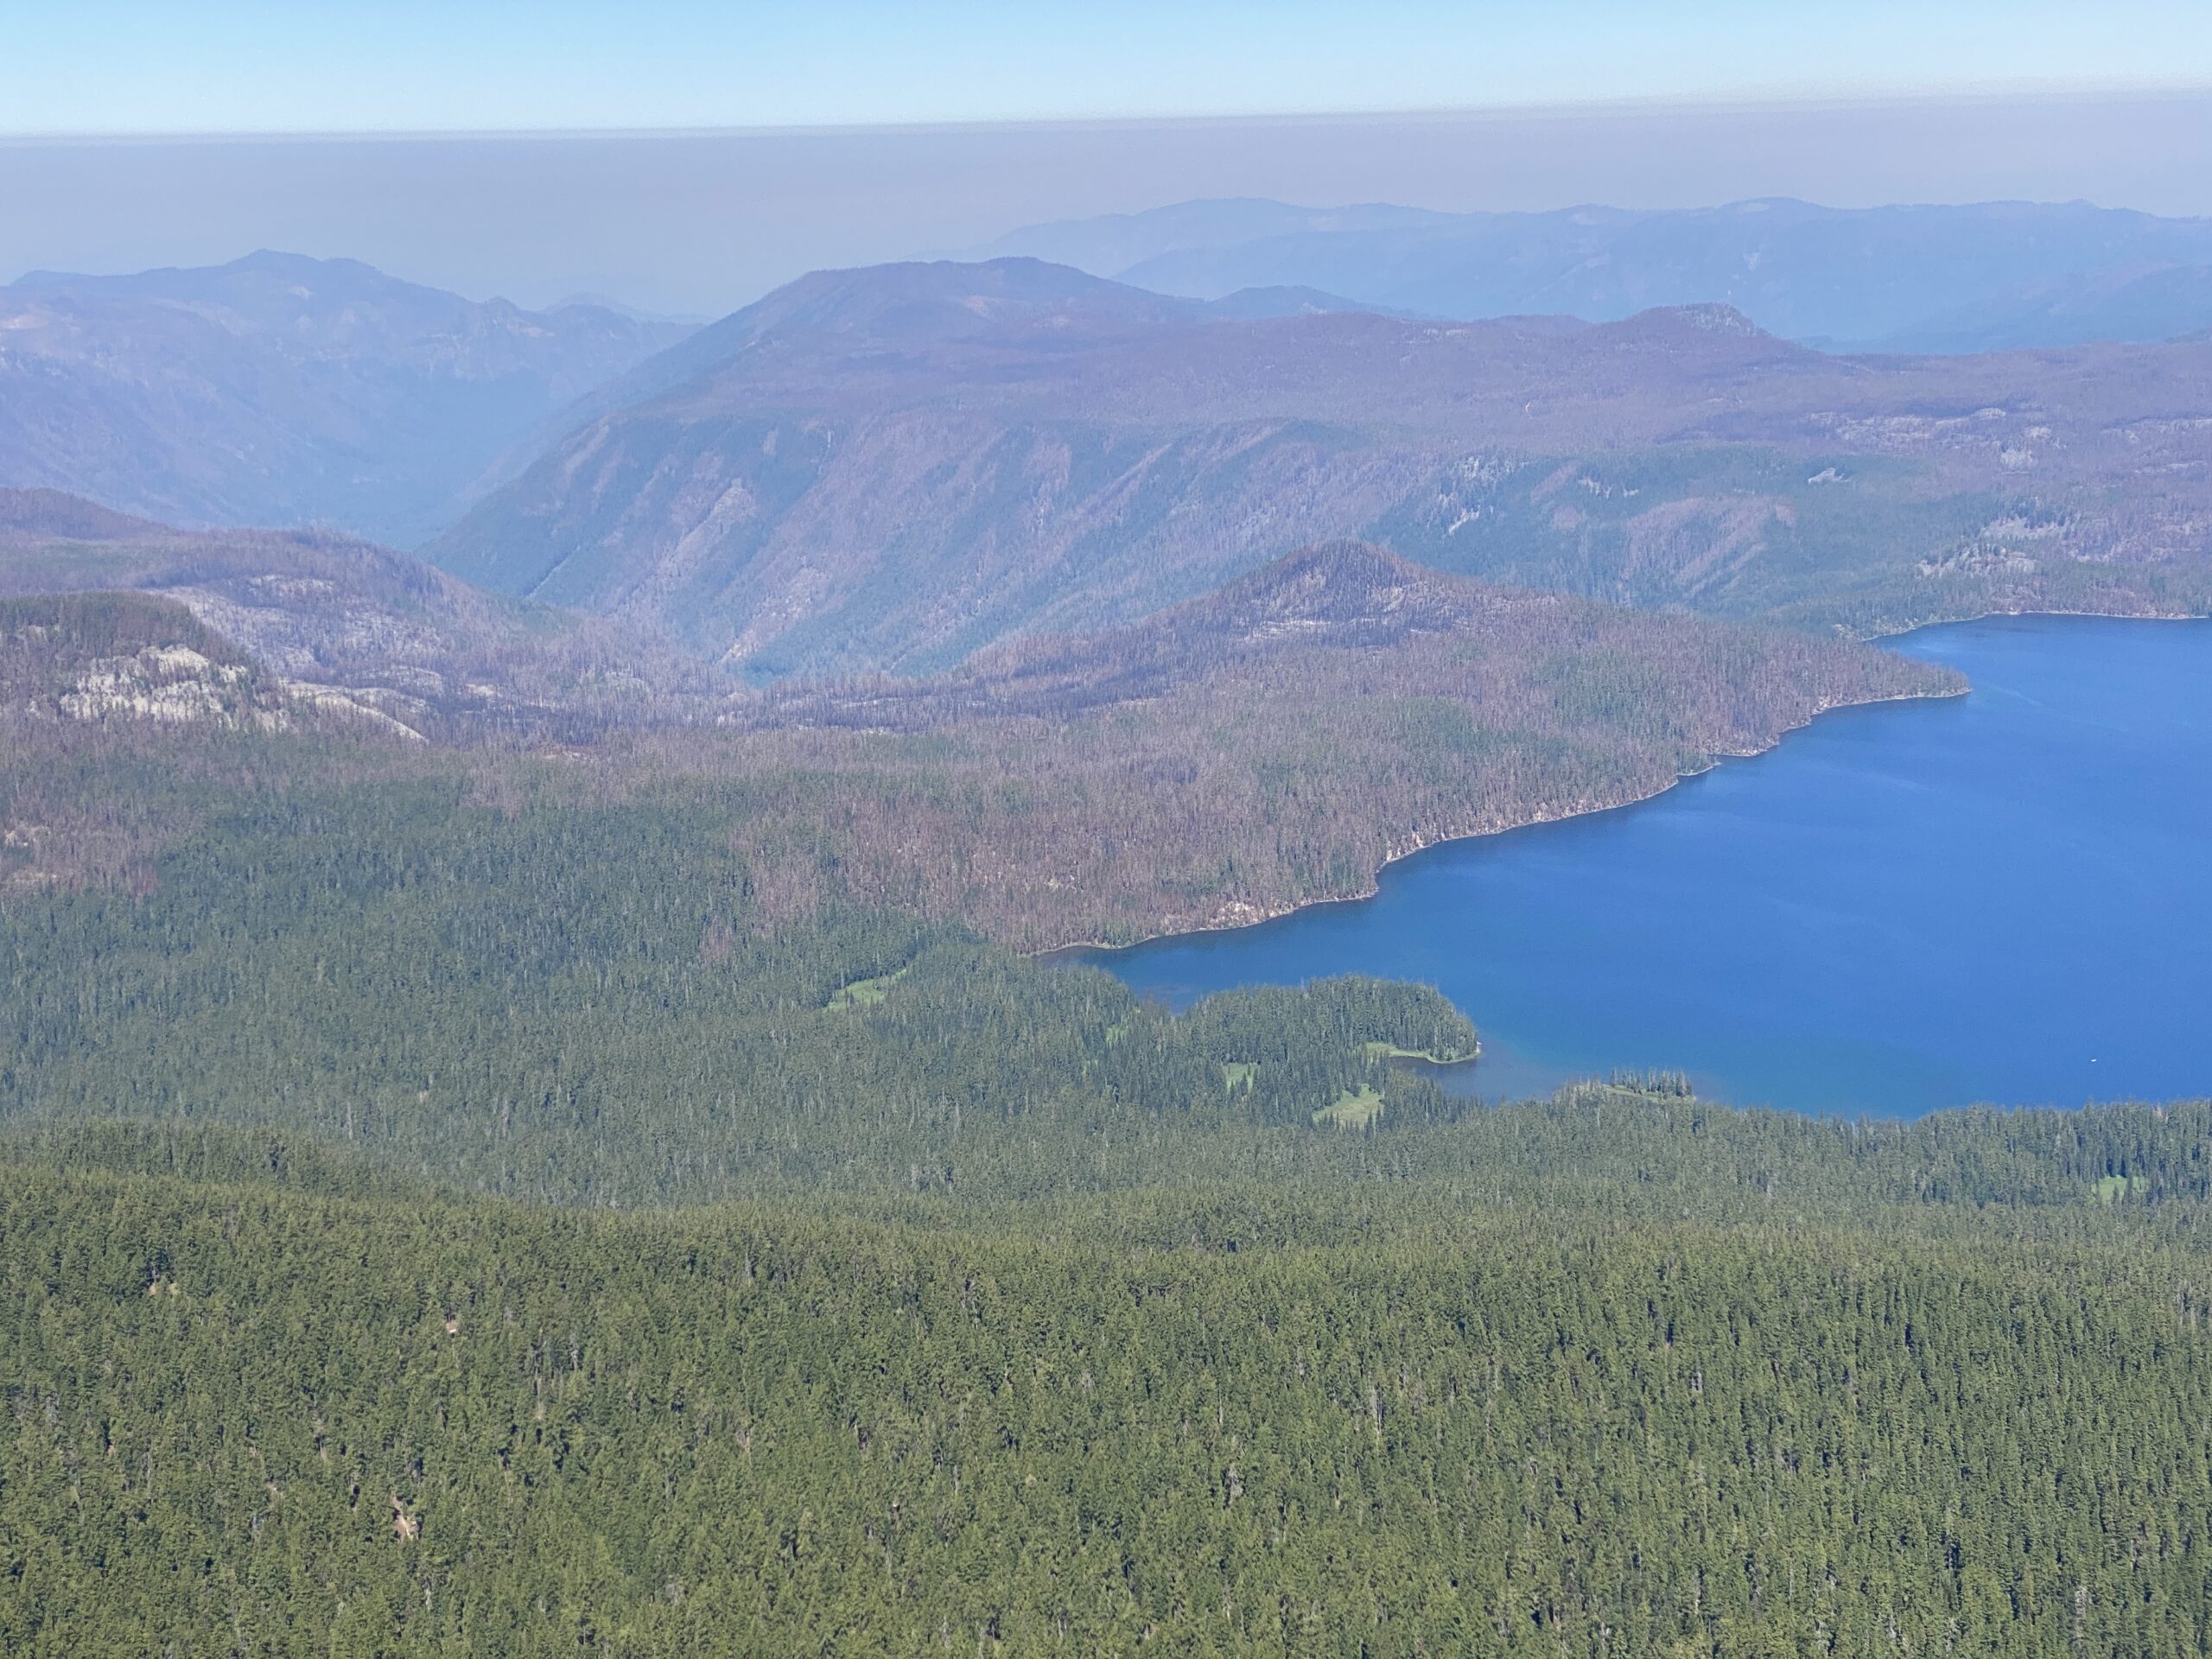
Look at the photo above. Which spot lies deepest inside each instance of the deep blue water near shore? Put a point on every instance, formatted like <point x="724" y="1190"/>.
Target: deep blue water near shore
<point x="2005" y="897"/>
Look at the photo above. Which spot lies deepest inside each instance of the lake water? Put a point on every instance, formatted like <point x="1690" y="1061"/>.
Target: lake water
<point x="2005" y="897"/>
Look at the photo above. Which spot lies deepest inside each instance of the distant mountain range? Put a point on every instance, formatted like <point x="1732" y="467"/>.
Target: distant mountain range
<point x="279" y="390"/>
<point x="898" y="466"/>
<point x="1987" y="277"/>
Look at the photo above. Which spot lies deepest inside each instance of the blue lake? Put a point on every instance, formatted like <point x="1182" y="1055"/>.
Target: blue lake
<point x="2005" y="897"/>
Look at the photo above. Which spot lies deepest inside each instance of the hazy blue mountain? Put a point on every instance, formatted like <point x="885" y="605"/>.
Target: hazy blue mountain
<point x="1113" y="243"/>
<point x="897" y="466"/>
<point x="284" y="390"/>
<point x="1255" y="303"/>
<point x="2126" y="302"/>
<point x="1928" y="275"/>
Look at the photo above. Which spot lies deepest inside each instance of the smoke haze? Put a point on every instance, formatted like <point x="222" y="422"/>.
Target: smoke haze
<point x="697" y="224"/>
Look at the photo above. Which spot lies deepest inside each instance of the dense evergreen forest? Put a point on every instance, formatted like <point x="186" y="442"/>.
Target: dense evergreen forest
<point x="1354" y="1413"/>
<point x="456" y="1200"/>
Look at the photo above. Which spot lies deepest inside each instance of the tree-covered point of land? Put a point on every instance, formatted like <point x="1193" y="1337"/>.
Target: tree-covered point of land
<point x="1265" y="747"/>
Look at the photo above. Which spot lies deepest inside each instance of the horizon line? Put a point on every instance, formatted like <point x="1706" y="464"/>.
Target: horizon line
<point x="1749" y="101"/>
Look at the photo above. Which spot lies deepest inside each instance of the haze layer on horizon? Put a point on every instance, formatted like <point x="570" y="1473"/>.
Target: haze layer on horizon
<point x="699" y="223"/>
<point x="415" y="65"/>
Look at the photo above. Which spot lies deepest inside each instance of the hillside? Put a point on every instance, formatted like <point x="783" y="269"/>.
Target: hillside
<point x="1940" y="276"/>
<point x="1344" y="597"/>
<point x="2146" y="299"/>
<point x="1274" y="743"/>
<point x="1258" y="748"/>
<point x="319" y="613"/>
<point x="896" y="467"/>
<point x="283" y="389"/>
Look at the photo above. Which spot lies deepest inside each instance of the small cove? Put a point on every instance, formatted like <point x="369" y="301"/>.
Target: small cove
<point x="2005" y="897"/>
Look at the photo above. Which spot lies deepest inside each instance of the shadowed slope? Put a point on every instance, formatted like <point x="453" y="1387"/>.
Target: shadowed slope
<point x="283" y="389"/>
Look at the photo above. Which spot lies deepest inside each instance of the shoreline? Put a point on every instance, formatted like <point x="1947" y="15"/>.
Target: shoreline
<point x="1089" y="948"/>
<point x="2021" y="616"/>
<point x="1430" y="843"/>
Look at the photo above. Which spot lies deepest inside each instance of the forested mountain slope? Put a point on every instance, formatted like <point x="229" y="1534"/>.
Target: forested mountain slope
<point x="279" y="390"/>
<point x="2143" y="300"/>
<point x="1278" y="741"/>
<point x="896" y="467"/>
<point x="1264" y="747"/>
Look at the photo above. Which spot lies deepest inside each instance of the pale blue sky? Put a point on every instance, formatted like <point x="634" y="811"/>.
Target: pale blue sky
<point x="84" y="66"/>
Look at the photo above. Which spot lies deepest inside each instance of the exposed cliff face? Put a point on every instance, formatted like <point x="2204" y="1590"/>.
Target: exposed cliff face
<point x="130" y="659"/>
<point x="895" y="468"/>
<point x="171" y="685"/>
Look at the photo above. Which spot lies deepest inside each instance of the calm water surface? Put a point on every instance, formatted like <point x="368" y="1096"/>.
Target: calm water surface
<point x="2005" y="897"/>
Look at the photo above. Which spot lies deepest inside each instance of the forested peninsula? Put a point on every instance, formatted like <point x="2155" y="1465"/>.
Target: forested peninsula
<point x="1267" y="746"/>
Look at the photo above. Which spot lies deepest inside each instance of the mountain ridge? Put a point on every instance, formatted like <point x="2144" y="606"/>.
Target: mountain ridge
<point x="898" y="466"/>
<point x="1858" y="278"/>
